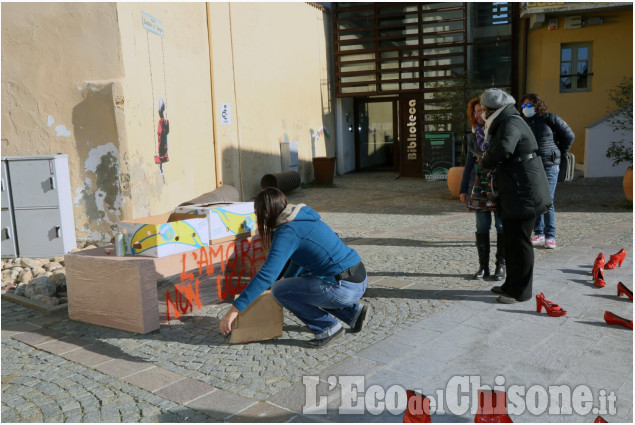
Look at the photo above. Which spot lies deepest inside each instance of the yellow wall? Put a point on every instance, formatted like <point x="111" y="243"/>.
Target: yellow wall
<point x="270" y="64"/>
<point x="612" y="47"/>
<point x="77" y="78"/>
<point x="58" y="90"/>
<point x="176" y="68"/>
<point x="85" y="79"/>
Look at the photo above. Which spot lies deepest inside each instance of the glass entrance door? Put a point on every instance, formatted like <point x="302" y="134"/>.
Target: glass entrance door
<point x="375" y="134"/>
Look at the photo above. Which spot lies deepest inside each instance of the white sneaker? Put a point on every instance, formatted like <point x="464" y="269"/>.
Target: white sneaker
<point x="537" y="240"/>
<point x="550" y="243"/>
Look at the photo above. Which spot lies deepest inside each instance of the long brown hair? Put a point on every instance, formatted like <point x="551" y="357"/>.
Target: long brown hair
<point x="470" y="110"/>
<point x="268" y="205"/>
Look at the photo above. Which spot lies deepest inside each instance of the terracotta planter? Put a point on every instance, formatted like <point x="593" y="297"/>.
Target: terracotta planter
<point x="324" y="169"/>
<point x="627" y="183"/>
<point x="455" y="175"/>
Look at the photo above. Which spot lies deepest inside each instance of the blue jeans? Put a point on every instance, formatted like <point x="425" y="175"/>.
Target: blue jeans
<point x="546" y="223"/>
<point x="315" y="301"/>
<point x="484" y="222"/>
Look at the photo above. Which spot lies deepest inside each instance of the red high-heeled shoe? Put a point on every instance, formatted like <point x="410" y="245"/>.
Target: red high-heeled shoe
<point x="616" y="259"/>
<point x="614" y="319"/>
<point x="553" y="310"/>
<point x="492" y="407"/>
<point x="598" y="263"/>
<point x="598" y="277"/>
<point x="418" y="410"/>
<point x="623" y="290"/>
<point x="600" y="420"/>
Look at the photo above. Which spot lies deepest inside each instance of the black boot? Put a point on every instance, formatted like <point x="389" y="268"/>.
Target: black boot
<point x="482" y="245"/>
<point x="499" y="274"/>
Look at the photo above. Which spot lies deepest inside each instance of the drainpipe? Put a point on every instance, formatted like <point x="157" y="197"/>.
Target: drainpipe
<point x="219" y="179"/>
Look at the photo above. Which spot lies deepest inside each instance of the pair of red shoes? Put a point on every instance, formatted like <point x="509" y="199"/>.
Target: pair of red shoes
<point x="614" y="319"/>
<point x="492" y="408"/>
<point x="599" y="265"/>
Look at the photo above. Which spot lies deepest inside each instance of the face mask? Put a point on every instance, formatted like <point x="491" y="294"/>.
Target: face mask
<point x="529" y="112"/>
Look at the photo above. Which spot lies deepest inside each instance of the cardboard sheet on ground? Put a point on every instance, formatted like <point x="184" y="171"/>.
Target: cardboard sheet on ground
<point x="260" y="321"/>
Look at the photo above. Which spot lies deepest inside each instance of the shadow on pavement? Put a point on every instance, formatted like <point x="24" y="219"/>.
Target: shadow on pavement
<point x="603" y="325"/>
<point x="397" y="274"/>
<point x="531" y="313"/>
<point x="572" y="271"/>
<point x="432" y="294"/>
<point x="610" y="297"/>
<point x="414" y="243"/>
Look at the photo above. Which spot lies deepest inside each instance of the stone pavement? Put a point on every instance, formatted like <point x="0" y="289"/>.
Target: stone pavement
<point x="430" y="325"/>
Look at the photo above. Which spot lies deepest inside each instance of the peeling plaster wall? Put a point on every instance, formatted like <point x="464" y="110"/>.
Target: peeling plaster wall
<point x="271" y="64"/>
<point x="85" y="79"/>
<point x="175" y="68"/>
<point x="61" y="63"/>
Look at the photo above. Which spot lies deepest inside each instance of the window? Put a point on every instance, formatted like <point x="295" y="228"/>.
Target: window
<point x="575" y="67"/>
<point x="488" y="14"/>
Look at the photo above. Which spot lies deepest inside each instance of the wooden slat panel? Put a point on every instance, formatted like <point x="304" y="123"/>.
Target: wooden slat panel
<point x="380" y="46"/>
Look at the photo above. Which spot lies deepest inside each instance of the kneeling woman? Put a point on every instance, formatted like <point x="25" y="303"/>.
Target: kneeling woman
<point x="324" y="280"/>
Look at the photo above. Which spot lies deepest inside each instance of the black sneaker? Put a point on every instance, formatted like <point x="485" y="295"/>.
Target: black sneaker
<point x="497" y="290"/>
<point x="361" y="320"/>
<point x="319" y="343"/>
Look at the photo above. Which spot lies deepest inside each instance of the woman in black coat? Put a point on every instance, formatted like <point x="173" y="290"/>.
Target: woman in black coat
<point x="522" y="189"/>
<point x="554" y="137"/>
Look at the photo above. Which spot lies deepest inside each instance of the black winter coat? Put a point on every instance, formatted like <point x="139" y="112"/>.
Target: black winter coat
<point x="554" y="137"/>
<point x="523" y="190"/>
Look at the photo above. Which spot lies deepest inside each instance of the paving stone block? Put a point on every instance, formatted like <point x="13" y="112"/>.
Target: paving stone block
<point x="123" y="366"/>
<point x="349" y="366"/>
<point x="398" y="376"/>
<point x="185" y="390"/>
<point x="294" y="398"/>
<point x="38" y="336"/>
<point x="416" y="335"/>
<point x="10" y="329"/>
<point x="220" y="404"/>
<point x="153" y="379"/>
<point x="64" y="345"/>
<point x="384" y="351"/>
<point x="417" y="366"/>
<point x="263" y="412"/>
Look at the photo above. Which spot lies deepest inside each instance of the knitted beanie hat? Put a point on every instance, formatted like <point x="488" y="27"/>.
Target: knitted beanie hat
<point x="496" y="98"/>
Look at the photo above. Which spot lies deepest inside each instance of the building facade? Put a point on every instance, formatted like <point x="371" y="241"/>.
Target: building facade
<point x="395" y="66"/>
<point x="572" y="54"/>
<point x="157" y="103"/>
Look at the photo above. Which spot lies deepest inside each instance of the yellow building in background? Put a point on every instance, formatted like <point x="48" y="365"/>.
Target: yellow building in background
<point x="572" y="55"/>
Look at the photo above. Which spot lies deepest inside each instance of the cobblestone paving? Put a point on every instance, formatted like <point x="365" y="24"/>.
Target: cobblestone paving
<point x="407" y="232"/>
<point x="41" y="387"/>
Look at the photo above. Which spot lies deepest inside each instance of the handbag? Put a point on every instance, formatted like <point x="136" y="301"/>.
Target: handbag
<point x="483" y="196"/>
